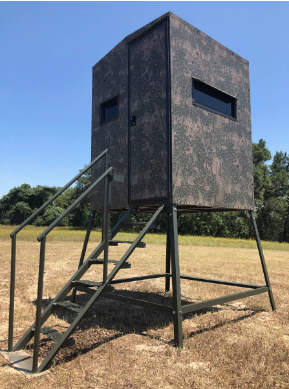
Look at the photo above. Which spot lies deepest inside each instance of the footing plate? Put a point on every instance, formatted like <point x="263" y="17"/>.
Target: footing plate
<point x="22" y="362"/>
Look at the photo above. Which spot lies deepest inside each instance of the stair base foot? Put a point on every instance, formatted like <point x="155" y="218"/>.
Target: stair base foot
<point x="22" y="362"/>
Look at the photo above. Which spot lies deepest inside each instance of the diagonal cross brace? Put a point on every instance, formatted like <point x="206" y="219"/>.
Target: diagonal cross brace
<point x="263" y="263"/>
<point x="97" y="294"/>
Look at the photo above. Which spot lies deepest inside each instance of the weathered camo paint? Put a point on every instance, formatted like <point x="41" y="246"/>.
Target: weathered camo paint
<point x="110" y="79"/>
<point x="211" y="154"/>
<point x="148" y="99"/>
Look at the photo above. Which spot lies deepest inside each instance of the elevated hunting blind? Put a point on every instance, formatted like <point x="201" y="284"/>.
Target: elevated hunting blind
<point x="172" y="106"/>
<point x="171" y="133"/>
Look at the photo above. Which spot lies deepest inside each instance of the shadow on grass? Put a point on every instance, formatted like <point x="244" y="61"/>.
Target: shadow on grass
<point x="122" y="319"/>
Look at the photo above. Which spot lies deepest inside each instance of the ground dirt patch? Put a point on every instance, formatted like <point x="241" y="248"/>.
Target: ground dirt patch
<point x="237" y="345"/>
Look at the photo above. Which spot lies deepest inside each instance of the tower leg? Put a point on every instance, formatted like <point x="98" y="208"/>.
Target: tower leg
<point x="266" y="276"/>
<point x="177" y="304"/>
<point x="168" y="259"/>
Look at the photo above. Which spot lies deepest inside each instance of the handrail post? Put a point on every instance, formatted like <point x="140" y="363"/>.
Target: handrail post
<point x="106" y="232"/>
<point x="104" y="197"/>
<point x="39" y="305"/>
<point x="12" y="291"/>
<point x="84" y="249"/>
<point x="42" y="238"/>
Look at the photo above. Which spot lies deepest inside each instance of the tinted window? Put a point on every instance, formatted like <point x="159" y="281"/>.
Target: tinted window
<point x="214" y="99"/>
<point x="109" y="110"/>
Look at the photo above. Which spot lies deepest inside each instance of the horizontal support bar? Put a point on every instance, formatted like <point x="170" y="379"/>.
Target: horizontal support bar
<point x="222" y="282"/>
<point x="123" y="280"/>
<point x="221" y="300"/>
<point x="116" y="178"/>
<point x="185" y="308"/>
<point x="154" y="226"/>
<point x="141" y="303"/>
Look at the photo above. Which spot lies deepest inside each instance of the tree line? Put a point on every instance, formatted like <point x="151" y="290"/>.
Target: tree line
<point x="271" y="190"/>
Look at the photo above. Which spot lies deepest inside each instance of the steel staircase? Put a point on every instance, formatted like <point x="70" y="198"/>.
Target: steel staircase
<point x="77" y="283"/>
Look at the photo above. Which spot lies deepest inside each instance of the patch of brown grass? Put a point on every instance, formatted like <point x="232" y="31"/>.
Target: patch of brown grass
<point x="238" y="345"/>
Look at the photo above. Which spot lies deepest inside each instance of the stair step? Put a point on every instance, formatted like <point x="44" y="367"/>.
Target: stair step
<point x="54" y="335"/>
<point x="51" y="333"/>
<point x="75" y="308"/>
<point x="116" y="243"/>
<point x="97" y="261"/>
<point x="91" y="284"/>
<point x="133" y="224"/>
<point x="68" y="305"/>
<point x="88" y="283"/>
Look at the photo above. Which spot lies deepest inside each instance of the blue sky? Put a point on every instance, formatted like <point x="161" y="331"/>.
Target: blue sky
<point x="47" y="52"/>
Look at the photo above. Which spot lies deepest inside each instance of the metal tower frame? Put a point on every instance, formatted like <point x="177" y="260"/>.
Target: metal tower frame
<point x="104" y="288"/>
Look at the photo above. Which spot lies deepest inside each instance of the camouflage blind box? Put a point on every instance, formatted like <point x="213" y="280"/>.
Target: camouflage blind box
<point x="172" y="105"/>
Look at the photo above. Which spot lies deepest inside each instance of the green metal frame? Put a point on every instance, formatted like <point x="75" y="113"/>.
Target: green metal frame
<point x="172" y="260"/>
<point x="177" y="310"/>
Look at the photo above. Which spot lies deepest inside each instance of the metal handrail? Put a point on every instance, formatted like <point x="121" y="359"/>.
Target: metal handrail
<point x="19" y="228"/>
<point x="73" y="205"/>
<point x="57" y="194"/>
<point x="42" y="238"/>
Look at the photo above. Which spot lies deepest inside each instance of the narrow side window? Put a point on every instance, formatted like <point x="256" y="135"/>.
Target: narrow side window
<point x="109" y="110"/>
<point x="214" y="99"/>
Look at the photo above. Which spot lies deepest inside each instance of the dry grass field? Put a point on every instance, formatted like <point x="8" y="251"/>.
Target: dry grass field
<point x="237" y="345"/>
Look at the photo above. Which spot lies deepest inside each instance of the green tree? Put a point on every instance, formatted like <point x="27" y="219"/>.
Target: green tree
<point x="277" y="199"/>
<point x="40" y="194"/>
<point x="50" y="214"/>
<point x="261" y="171"/>
<point x="10" y="212"/>
<point x="80" y="215"/>
<point x="20" y="212"/>
<point x="271" y="193"/>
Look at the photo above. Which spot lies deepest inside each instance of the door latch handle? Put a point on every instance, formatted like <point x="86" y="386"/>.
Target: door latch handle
<point x="133" y="120"/>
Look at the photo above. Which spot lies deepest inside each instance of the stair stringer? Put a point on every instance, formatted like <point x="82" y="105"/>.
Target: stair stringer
<point x="98" y="292"/>
<point x="66" y="289"/>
